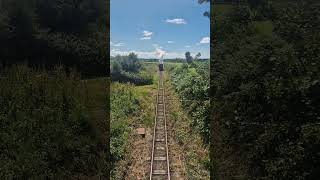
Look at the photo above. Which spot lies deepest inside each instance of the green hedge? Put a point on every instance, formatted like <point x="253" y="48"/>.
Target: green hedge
<point x="191" y="82"/>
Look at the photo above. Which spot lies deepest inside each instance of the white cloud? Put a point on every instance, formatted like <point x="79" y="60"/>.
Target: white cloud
<point x="141" y="54"/>
<point x="187" y="46"/>
<point x="145" y="38"/>
<point x="205" y="40"/>
<point x="115" y="52"/>
<point x="146" y="35"/>
<point x="172" y="55"/>
<point x="116" y="44"/>
<point x="149" y="54"/>
<point x="176" y="21"/>
<point x="170" y="42"/>
<point x="157" y="46"/>
<point x="157" y="52"/>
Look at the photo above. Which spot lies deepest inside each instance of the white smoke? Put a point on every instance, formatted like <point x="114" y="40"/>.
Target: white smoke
<point x="160" y="53"/>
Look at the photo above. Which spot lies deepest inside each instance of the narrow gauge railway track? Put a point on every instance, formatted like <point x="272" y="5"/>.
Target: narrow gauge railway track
<point x="159" y="168"/>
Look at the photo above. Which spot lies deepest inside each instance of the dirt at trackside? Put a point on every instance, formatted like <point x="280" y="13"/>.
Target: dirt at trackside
<point x="138" y="165"/>
<point x="139" y="148"/>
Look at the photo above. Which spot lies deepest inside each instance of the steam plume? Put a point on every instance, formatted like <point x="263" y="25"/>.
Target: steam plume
<point x="160" y="53"/>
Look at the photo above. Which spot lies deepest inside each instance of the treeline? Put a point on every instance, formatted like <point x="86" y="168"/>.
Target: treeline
<point x="191" y="82"/>
<point x="177" y="60"/>
<point x="129" y="69"/>
<point x="265" y="92"/>
<point x="47" y="129"/>
<point x="44" y="33"/>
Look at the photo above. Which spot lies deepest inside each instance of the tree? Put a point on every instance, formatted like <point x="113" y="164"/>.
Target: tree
<point x="207" y="13"/>
<point x="188" y="57"/>
<point x="197" y="56"/>
<point x="129" y="63"/>
<point x="116" y="68"/>
<point x="134" y="64"/>
<point x="203" y="1"/>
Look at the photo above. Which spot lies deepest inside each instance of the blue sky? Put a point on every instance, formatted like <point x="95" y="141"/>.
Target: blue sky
<point x="169" y="27"/>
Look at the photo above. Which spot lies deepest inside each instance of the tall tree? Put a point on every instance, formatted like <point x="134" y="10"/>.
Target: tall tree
<point x="188" y="57"/>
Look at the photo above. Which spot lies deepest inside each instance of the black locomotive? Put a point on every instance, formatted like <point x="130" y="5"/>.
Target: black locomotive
<point x="160" y="67"/>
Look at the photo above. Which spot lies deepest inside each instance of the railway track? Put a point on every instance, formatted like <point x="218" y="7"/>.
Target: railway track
<point x="159" y="168"/>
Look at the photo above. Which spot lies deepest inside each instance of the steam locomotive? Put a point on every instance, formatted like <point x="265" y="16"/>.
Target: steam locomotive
<point x="161" y="64"/>
<point x="160" y="67"/>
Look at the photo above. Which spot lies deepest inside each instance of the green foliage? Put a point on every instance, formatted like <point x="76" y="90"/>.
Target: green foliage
<point x="68" y="16"/>
<point x="46" y="128"/>
<point x="129" y="63"/>
<point x="188" y="57"/>
<point x="124" y="103"/>
<point x="264" y="27"/>
<point x="129" y="69"/>
<point x="46" y="33"/>
<point x="192" y="84"/>
<point x="266" y="97"/>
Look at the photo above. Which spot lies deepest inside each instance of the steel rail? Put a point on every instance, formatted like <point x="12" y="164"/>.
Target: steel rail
<point x="162" y="172"/>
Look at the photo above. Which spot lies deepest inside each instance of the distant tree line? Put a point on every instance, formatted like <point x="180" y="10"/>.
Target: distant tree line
<point x="175" y="60"/>
<point x="50" y="32"/>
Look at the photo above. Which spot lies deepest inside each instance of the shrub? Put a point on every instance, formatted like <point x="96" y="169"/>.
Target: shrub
<point x="192" y="88"/>
<point x="124" y="103"/>
<point x="128" y="69"/>
<point x="46" y="129"/>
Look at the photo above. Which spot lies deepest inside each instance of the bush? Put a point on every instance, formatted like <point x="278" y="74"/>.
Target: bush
<point x="46" y="129"/>
<point x="137" y="79"/>
<point x="124" y="103"/>
<point x="266" y="99"/>
<point x="192" y="85"/>
<point x="128" y="69"/>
